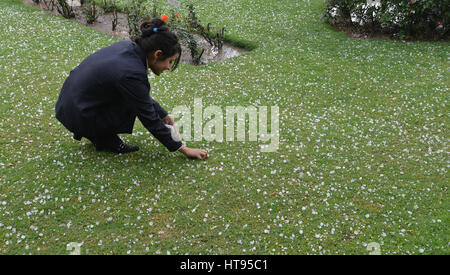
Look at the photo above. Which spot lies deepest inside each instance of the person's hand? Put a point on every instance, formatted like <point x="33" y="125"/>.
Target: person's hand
<point x="168" y="120"/>
<point x="194" y="153"/>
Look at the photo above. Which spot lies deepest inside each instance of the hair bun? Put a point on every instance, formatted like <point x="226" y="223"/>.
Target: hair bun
<point x="147" y="27"/>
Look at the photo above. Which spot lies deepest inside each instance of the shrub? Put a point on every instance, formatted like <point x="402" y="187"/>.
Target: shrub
<point x="110" y="6"/>
<point x="91" y="11"/>
<point x="214" y="38"/>
<point x="416" y="18"/>
<point x="64" y="9"/>
<point x="115" y="20"/>
<point x="49" y="4"/>
<point x="135" y="11"/>
<point x="190" y="25"/>
<point x="188" y="40"/>
<point x="184" y="34"/>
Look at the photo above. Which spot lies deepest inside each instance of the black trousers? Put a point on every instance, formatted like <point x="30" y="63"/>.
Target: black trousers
<point x="109" y="122"/>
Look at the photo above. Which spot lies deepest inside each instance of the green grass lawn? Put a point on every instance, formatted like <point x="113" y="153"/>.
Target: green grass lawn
<point x="363" y="156"/>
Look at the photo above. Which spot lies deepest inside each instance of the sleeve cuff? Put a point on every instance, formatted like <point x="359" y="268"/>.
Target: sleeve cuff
<point x="182" y="143"/>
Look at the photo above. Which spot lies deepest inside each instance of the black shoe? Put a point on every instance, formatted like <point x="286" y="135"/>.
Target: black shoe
<point x="113" y="144"/>
<point x="125" y="148"/>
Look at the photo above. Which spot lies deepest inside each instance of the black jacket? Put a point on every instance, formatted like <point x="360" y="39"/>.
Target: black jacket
<point x="106" y="92"/>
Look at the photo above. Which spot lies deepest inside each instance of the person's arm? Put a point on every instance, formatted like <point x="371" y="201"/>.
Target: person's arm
<point x="161" y="112"/>
<point x="135" y="89"/>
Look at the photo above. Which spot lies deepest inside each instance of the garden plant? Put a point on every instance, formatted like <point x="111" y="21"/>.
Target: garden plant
<point x="417" y="19"/>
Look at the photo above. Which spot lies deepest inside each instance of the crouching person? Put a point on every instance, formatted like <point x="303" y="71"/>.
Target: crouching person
<point x="102" y="96"/>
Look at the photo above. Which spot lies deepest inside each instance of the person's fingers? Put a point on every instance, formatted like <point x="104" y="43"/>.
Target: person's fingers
<point x="200" y="154"/>
<point x="203" y="154"/>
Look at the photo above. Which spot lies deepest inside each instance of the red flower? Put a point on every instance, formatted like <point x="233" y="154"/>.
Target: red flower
<point x="164" y="17"/>
<point x="144" y="7"/>
<point x="177" y="15"/>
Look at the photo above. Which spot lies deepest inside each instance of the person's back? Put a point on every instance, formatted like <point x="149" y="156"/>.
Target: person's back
<point x="93" y="84"/>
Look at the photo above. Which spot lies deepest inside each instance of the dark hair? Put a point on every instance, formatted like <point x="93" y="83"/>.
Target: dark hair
<point x="155" y="35"/>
